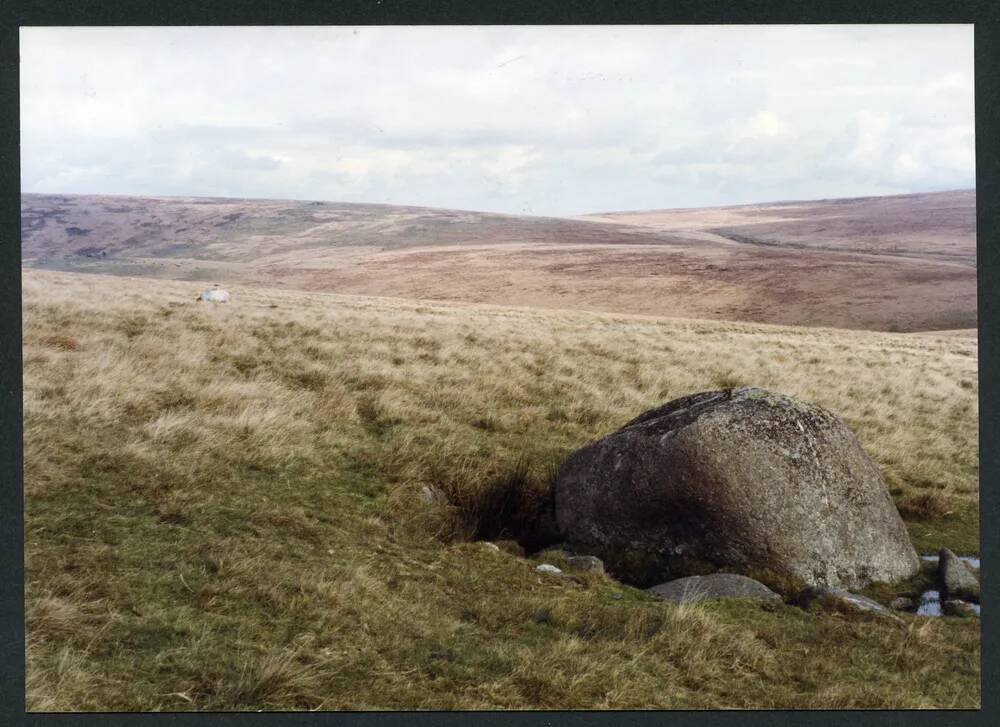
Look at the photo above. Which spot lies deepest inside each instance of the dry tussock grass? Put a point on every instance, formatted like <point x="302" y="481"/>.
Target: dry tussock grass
<point x="227" y="498"/>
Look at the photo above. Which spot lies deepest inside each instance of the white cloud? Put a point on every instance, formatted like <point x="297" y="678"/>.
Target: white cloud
<point x="871" y="141"/>
<point x="518" y="119"/>
<point x="762" y="125"/>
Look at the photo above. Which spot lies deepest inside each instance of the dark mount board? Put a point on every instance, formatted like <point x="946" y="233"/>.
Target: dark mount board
<point x="14" y="13"/>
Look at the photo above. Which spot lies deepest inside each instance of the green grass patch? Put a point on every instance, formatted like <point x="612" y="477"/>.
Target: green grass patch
<point x="958" y="531"/>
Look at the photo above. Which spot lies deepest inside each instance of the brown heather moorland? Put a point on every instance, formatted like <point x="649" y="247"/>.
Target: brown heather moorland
<point x="222" y="505"/>
<point x="903" y="263"/>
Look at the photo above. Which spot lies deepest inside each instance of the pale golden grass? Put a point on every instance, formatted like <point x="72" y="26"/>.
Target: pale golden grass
<point x="272" y="377"/>
<point x="222" y="506"/>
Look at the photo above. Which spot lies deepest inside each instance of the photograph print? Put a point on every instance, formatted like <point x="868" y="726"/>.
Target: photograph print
<point x="499" y="368"/>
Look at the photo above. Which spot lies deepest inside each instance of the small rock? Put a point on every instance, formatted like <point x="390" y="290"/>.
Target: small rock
<point x="902" y="604"/>
<point x="585" y="563"/>
<point x="957" y="579"/>
<point x="549" y="569"/>
<point x="962" y="609"/>
<point x="617" y="596"/>
<point x="491" y="546"/>
<point x="844" y="600"/>
<point x="433" y="496"/>
<point x="215" y="294"/>
<point x="717" y="585"/>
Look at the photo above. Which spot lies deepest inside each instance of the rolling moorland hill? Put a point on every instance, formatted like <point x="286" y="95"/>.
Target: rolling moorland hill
<point x="223" y="505"/>
<point x="891" y="263"/>
<point x="938" y="226"/>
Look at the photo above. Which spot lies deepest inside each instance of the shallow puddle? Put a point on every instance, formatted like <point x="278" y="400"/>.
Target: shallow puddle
<point x="972" y="560"/>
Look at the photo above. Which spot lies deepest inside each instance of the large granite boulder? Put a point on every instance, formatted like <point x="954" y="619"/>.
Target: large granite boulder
<point x="740" y="477"/>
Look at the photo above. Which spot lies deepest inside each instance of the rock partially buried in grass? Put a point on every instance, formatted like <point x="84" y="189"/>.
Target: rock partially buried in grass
<point x="902" y="603"/>
<point x="740" y="478"/>
<point x="585" y="563"/>
<point x="550" y="570"/>
<point x="716" y="585"/>
<point x="215" y="294"/>
<point x="957" y="579"/>
<point x="433" y="496"/>
<point x="954" y="607"/>
<point x="840" y="600"/>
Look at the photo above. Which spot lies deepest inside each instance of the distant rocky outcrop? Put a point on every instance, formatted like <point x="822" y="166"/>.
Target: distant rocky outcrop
<point x="716" y="585"/>
<point x="740" y="478"/>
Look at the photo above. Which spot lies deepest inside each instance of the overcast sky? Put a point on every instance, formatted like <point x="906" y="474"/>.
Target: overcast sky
<point x="530" y="120"/>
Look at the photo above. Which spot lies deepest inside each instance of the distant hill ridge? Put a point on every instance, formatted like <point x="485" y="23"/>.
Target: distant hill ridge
<point x="903" y="262"/>
<point x="936" y="225"/>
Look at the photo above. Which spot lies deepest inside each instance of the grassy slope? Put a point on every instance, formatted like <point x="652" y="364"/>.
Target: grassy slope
<point x="221" y="506"/>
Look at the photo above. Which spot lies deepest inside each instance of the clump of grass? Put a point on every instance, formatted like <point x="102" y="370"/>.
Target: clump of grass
<point x="60" y="341"/>
<point x="487" y="423"/>
<point x="926" y="506"/>
<point x="925" y="579"/>
<point x="313" y="379"/>
<point x="52" y="615"/>
<point x="512" y="504"/>
<point x="132" y="325"/>
<point x="728" y="379"/>
<point x="413" y="518"/>
<point x="374" y="414"/>
<point x="260" y="681"/>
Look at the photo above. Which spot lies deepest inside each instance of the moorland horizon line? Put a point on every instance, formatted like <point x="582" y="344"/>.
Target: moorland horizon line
<point x="592" y="213"/>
